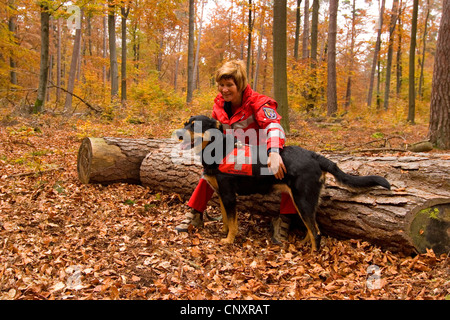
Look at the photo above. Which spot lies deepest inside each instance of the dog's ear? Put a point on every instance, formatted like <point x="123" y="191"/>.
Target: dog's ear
<point x="219" y="126"/>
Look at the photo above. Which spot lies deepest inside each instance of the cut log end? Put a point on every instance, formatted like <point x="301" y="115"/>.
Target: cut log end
<point x="85" y="160"/>
<point x="430" y="228"/>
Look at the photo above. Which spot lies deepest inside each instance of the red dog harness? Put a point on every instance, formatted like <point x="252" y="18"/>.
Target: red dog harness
<point x="238" y="161"/>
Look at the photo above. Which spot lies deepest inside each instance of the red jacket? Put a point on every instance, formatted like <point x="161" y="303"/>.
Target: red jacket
<point x="256" y="112"/>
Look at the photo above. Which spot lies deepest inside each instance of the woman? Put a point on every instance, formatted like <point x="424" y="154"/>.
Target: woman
<point x="237" y="106"/>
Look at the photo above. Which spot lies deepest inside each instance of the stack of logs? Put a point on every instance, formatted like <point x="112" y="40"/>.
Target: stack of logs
<point x="413" y="217"/>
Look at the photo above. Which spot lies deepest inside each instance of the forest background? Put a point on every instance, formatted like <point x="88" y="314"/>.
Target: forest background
<point x="139" y="69"/>
<point x="168" y="57"/>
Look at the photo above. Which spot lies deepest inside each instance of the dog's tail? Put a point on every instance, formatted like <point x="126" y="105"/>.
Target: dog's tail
<point x="349" y="180"/>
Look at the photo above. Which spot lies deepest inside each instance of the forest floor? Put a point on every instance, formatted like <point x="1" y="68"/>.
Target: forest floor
<point x="60" y="239"/>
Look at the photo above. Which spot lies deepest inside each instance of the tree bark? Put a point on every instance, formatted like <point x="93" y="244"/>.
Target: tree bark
<point x="331" y="86"/>
<point x="413" y="217"/>
<point x="305" y="51"/>
<point x="110" y="160"/>
<point x="125" y="12"/>
<point x="280" y="61"/>
<point x="439" y="127"/>
<point x="190" y="65"/>
<point x="12" y="26"/>
<point x="43" y="69"/>
<point x="73" y="67"/>
<point x="375" y="56"/>
<point x="412" y="66"/>
<point x="393" y="23"/>
<point x="297" y="28"/>
<point x="114" y="68"/>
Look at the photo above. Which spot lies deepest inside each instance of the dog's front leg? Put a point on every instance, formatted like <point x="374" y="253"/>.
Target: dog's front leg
<point x="224" y="216"/>
<point x="228" y="203"/>
<point x="232" y="227"/>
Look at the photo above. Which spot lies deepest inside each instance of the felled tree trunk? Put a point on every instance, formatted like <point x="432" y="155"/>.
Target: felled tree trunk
<point x="109" y="160"/>
<point x="413" y="217"/>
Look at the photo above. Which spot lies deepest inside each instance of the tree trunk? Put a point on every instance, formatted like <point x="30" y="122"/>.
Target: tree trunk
<point x="439" y="128"/>
<point x="249" y="38"/>
<point x="390" y="53"/>
<point x="297" y="28"/>
<point x="114" y="68"/>
<point x="414" y="216"/>
<point x="73" y="67"/>
<point x="348" y="94"/>
<point x="280" y="61"/>
<point x="424" y="49"/>
<point x="58" y="61"/>
<point x="110" y="160"/>
<point x="196" y="75"/>
<point x="314" y="29"/>
<point x="412" y="66"/>
<point x="190" y="66"/>
<point x="125" y="13"/>
<point x="399" y="68"/>
<point x="305" y="51"/>
<point x="43" y="70"/>
<point x="331" y="87"/>
<point x="375" y="56"/>
<point x="12" y="26"/>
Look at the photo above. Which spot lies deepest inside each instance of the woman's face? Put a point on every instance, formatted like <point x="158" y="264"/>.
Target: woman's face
<point x="229" y="91"/>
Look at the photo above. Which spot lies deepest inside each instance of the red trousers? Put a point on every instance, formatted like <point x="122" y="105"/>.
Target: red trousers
<point x="203" y="193"/>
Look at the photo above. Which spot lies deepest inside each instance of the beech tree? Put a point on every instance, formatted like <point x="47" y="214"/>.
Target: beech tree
<point x="43" y="70"/>
<point x="73" y="66"/>
<point x="280" y="60"/>
<point x="114" y="68"/>
<point x="190" y="65"/>
<point x="331" y="88"/>
<point x="412" y="65"/>
<point x="439" y="127"/>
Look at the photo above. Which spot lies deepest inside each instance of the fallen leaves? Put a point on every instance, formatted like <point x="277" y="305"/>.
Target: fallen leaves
<point x="60" y="239"/>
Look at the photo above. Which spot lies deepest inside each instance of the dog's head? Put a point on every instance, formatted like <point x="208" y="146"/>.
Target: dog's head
<point x="196" y="133"/>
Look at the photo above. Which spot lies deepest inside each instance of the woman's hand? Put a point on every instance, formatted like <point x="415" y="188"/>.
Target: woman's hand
<point x="276" y="165"/>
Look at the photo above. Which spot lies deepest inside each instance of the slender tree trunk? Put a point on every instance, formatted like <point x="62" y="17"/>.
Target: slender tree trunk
<point x="393" y="23"/>
<point x="331" y="87"/>
<point x="399" y="51"/>
<point x="424" y="47"/>
<point x="73" y="68"/>
<point x="259" y="54"/>
<point x="58" y="61"/>
<point x="12" y="28"/>
<point x="105" y="49"/>
<point x="412" y="65"/>
<point x="190" y="66"/>
<point x="249" y="37"/>
<point x="314" y="29"/>
<point x="39" y="105"/>
<point x="439" y="128"/>
<point x="375" y="56"/>
<point x="297" y="28"/>
<point x="348" y="96"/>
<point x="197" y="51"/>
<point x="305" y="51"/>
<point x="114" y="68"/>
<point x="125" y="13"/>
<point x="280" y="60"/>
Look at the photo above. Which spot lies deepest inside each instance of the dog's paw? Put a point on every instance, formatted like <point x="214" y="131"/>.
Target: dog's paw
<point x="227" y="241"/>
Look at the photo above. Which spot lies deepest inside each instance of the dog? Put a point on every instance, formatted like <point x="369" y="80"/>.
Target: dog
<point x="303" y="181"/>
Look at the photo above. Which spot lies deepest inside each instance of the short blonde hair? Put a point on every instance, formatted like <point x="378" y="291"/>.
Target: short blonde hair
<point x="235" y="70"/>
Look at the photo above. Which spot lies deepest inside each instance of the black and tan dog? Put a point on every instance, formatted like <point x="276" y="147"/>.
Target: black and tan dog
<point x="303" y="180"/>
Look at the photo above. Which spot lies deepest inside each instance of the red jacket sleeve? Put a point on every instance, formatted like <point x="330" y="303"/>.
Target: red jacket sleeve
<point x="269" y="120"/>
